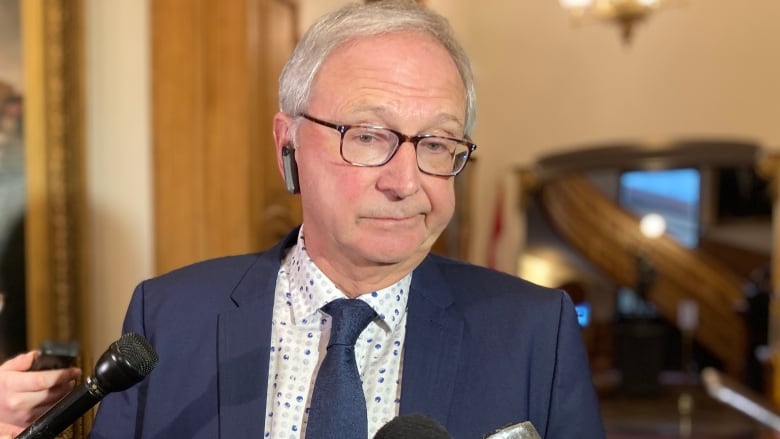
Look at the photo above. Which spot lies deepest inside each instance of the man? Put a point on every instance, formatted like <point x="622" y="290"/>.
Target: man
<point x="241" y="339"/>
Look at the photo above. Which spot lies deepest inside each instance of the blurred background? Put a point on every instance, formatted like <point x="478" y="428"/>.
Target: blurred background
<point x="627" y="154"/>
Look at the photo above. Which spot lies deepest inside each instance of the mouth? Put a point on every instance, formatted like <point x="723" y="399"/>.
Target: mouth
<point x="394" y="221"/>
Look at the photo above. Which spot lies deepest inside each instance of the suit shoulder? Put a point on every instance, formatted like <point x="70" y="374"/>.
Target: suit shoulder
<point x="216" y="275"/>
<point x="470" y="279"/>
<point x="470" y="274"/>
<point x="223" y="266"/>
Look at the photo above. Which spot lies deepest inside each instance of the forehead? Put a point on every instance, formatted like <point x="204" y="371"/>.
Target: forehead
<point x="405" y="38"/>
<point x="395" y="67"/>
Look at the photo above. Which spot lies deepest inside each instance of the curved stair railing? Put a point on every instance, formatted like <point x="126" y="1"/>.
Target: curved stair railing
<point x="610" y="238"/>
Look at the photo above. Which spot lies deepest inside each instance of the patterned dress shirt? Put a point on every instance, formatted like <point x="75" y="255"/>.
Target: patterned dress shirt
<point x="299" y="336"/>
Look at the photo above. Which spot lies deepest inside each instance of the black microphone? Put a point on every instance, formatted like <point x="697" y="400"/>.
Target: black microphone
<point x="126" y="362"/>
<point x="414" y="426"/>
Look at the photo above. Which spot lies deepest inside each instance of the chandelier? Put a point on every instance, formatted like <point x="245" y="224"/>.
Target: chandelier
<point x="625" y="13"/>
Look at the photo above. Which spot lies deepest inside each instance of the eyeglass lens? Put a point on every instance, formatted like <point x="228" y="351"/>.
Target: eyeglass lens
<point x="372" y="146"/>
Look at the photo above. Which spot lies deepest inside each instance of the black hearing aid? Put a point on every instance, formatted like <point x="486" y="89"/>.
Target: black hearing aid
<point x="290" y="170"/>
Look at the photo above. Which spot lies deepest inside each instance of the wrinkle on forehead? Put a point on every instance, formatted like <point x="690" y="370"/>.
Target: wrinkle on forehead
<point x="425" y="85"/>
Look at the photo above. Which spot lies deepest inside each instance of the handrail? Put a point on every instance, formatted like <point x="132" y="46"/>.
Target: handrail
<point x="612" y="241"/>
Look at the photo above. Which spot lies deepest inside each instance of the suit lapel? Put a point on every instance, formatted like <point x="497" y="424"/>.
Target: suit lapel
<point x="432" y="349"/>
<point x="244" y="336"/>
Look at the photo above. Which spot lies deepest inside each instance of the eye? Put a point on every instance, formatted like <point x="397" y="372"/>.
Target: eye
<point x="367" y="136"/>
<point x="437" y="145"/>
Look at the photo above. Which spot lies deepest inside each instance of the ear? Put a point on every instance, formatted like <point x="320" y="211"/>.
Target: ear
<point x="282" y="137"/>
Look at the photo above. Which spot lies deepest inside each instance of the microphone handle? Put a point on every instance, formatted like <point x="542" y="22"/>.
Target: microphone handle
<point x="61" y="415"/>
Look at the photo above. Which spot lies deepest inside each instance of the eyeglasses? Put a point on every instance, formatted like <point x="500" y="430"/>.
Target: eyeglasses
<point x="367" y="145"/>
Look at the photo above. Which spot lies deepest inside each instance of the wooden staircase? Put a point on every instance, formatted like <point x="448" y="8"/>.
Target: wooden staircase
<point x="610" y="238"/>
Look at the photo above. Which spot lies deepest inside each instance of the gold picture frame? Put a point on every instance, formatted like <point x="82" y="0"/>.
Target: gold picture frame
<point x="52" y="61"/>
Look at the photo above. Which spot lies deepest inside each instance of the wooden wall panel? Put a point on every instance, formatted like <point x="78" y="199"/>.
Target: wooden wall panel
<point x="225" y="174"/>
<point x="177" y="130"/>
<point x="215" y="68"/>
<point x="275" y="211"/>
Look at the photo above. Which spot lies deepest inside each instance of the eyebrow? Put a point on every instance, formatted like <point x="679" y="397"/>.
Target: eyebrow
<point x="441" y="118"/>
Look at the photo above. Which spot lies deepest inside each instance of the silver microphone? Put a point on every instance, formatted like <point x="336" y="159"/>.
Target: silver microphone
<point x="523" y="430"/>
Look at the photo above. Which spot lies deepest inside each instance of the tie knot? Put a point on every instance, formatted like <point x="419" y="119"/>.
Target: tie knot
<point x="349" y="318"/>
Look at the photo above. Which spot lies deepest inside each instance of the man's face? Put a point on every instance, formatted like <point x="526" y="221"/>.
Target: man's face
<point x="390" y="215"/>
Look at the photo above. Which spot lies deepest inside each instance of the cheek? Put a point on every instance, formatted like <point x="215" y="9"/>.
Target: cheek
<point x="331" y="187"/>
<point x="441" y="194"/>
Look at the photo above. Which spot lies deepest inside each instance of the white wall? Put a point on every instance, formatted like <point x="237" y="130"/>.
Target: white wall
<point x="119" y="174"/>
<point x="708" y="68"/>
<point x="705" y="68"/>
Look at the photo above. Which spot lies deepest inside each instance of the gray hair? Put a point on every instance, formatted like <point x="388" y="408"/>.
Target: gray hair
<point x="364" y="20"/>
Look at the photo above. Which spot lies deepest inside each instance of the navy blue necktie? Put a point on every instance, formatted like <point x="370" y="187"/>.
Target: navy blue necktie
<point x="338" y="405"/>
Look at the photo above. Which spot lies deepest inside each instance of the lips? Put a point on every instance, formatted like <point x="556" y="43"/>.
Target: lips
<point x="393" y="217"/>
<point x="394" y="222"/>
<point x="397" y="215"/>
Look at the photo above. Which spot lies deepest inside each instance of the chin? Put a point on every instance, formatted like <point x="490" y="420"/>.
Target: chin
<point x="394" y="250"/>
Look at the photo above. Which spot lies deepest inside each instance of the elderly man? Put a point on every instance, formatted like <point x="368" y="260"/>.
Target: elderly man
<point x="350" y="321"/>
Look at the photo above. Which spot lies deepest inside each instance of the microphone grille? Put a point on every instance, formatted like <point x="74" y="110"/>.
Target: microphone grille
<point x="138" y="353"/>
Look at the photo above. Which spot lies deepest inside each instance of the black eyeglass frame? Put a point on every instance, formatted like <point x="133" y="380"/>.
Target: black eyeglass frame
<point x="402" y="138"/>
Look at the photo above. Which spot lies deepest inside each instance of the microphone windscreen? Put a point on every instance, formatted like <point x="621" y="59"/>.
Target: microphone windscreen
<point x="413" y="426"/>
<point x="126" y="362"/>
<point x="140" y="355"/>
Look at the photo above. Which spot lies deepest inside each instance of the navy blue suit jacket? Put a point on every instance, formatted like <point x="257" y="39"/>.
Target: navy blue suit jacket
<point x="482" y="350"/>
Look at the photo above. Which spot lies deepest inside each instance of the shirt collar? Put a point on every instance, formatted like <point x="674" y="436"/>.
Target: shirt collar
<point x="310" y="290"/>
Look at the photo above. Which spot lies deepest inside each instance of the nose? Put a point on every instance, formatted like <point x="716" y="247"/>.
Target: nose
<point x="400" y="177"/>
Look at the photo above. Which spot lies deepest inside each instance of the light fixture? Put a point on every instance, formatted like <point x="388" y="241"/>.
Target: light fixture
<point x="626" y="13"/>
<point x="652" y="225"/>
